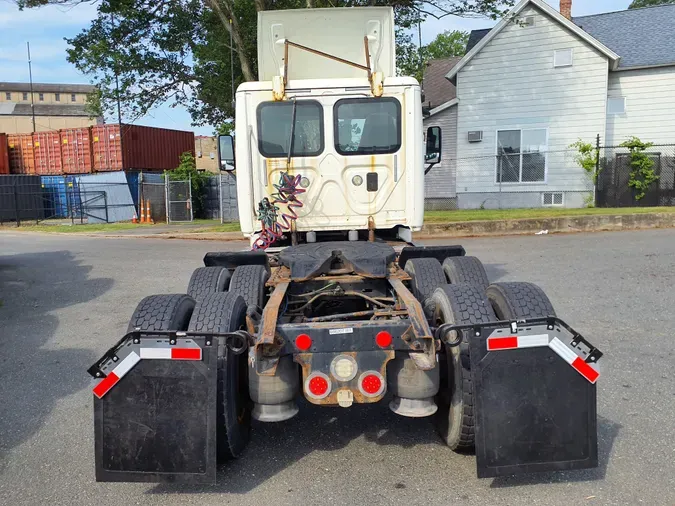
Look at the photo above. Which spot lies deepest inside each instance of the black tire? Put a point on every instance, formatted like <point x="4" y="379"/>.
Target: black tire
<point x="206" y="280"/>
<point x="519" y="300"/>
<point x="226" y="312"/>
<point x="162" y="312"/>
<point x="249" y="282"/>
<point x="459" y="304"/>
<point x="427" y="275"/>
<point x="468" y="270"/>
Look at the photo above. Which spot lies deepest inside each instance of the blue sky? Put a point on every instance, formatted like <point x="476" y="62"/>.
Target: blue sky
<point x="46" y="28"/>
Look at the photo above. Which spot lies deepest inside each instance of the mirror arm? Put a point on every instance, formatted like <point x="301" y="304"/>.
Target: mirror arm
<point x="429" y="167"/>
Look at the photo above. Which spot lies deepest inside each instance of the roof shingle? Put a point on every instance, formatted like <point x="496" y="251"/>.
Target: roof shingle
<point x="437" y="89"/>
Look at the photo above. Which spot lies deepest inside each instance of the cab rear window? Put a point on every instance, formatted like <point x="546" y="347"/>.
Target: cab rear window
<point x="366" y="126"/>
<point x="274" y="128"/>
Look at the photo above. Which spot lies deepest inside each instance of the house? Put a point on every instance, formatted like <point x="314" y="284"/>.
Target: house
<point x="440" y="102"/>
<point x="56" y="106"/>
<point x="539" y="81"/>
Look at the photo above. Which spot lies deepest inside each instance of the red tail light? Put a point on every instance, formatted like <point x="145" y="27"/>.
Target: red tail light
<point x="318" y="385"/>
<point x="371" y="384"/>
<point x="303" y="342"/>
<point x="383" y="339"/>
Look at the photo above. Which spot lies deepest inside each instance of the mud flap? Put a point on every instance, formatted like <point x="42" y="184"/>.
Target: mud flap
<point x="157" y="423"/>
<point x="534" y="410"/>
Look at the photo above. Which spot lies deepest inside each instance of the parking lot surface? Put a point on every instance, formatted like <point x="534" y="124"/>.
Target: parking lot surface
<point x="66" y="299"/>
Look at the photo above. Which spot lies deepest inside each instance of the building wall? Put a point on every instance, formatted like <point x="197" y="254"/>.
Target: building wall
<point x="24" y="124"/>
<point x="512" y="84"/>
<point x="206" y="154"/>
<point x="439" y="183"/>
<point x="650" y="106"/>
<point x="47" y="98"/>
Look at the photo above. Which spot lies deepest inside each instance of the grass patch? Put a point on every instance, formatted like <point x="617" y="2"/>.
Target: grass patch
<point x="545" y="212"/>
<point x="70" y="229"/>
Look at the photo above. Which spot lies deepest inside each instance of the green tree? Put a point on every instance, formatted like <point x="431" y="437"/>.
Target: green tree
<point x="179" y="51"/>
<point x="447" y="44"/>
<point x="637" y="4"/>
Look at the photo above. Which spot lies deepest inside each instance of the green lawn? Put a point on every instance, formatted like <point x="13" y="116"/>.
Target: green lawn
<point x="214" y="226"/>
<point x="543" y="212"/>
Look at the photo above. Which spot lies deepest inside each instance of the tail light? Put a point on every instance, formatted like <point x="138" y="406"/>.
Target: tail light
<point x="318" y="385"/>
<point x="303" y="342"/>
<point x="372" y="384"/>
<point x="383" y="339"/>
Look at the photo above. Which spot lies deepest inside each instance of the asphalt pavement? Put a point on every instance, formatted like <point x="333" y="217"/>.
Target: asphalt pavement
<point x="65" y="299"/>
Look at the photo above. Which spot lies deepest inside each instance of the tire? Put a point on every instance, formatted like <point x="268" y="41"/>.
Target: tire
<point x="427" y="275"/>
<point x="249" y="282"/>
<point x="468" y="270"/>
<point x="206" y="280"/>
<point x="459" y="304"/>
<point x="226" y="312"/>
<point x="162" y="312"/>
<point x="519" y="300"/>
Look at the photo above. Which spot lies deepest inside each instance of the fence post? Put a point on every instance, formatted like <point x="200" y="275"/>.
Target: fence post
<point x="220" y="198"/>
<point x="597" y="170"/>
<point x="16" y="205"/>
<point x="192" y="214"/>
<point x="166" y="196"/>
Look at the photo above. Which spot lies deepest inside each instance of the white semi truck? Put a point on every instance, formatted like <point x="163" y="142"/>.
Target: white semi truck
<point x="334" y="305"/>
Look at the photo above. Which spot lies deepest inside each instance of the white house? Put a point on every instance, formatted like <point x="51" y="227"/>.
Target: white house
<point x="540" y="80"/>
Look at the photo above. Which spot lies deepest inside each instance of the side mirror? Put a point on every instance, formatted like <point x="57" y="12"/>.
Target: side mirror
<point x="433" y="154"/>
<point x="226" y="152"/>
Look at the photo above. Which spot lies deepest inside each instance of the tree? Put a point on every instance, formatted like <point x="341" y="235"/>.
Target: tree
<point x="191" y="53"/>
<point x="637" y="4"/>
<point x="447" y="44"/>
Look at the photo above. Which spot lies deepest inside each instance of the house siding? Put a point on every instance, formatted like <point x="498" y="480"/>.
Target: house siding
<point x="650" y="106"/>
<point x="439" y="183"/>
<point x="511" y="83"/>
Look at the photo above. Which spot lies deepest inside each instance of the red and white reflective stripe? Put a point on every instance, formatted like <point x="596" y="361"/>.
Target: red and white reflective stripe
<point x="578" y="363"/>
<point x="171" y="353"/>
<point x="116" y="374"/>
<point x="495" y="343"/>
<point x="104" y="386"/>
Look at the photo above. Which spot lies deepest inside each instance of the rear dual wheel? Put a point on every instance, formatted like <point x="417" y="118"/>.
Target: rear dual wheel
<point x="467" y="304"/>
<point x="215" y="312"/>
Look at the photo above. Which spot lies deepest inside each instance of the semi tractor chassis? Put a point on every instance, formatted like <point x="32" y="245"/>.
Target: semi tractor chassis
<point x="343" y="323"/>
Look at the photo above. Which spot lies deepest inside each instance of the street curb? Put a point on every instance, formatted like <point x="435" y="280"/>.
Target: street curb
<point x="563" y="224"/>
<point x="525" y="226"/>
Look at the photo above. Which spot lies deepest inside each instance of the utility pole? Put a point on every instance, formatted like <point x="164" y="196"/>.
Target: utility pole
<point x="30" y="77"/>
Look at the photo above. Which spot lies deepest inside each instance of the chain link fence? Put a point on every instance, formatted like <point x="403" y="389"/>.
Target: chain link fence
<point x="510" y="180"/>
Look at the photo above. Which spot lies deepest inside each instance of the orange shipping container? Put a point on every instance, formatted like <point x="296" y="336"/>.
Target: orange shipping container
<point x="76" y="150"/>
<point x="138" y="147"/>
<point x="21" y="154"/>
<point x="4" y="155"/>
<point x="47" y="146"/>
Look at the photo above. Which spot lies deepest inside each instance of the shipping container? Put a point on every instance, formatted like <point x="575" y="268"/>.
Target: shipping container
<point x="47" y="148"/>
<point x="61" y="196"/>
<point x="76" y="150"/>
<point x="21" y="153"/>
<point x="4" y="154"/>
<point x="135" y="147"/>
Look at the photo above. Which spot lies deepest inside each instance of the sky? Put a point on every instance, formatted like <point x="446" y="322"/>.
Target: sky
<point x="47" y="27"/>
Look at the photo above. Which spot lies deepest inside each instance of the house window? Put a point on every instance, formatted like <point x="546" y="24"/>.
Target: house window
<point x="72" y="97"/>
<point x="552" y="199"/>
<point x="41" y="97"/>
<point x="616" y="105"/>
<point x="562" y="58"/>
<point x="8" y="95"/>
<point x="57" y="97"/>
<point x="25" y="95"/>
<point x="521" y="155"/>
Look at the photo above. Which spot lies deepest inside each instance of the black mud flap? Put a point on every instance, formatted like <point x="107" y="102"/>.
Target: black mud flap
<point x="157" y="422"/>
<point x="535" y="399"/>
